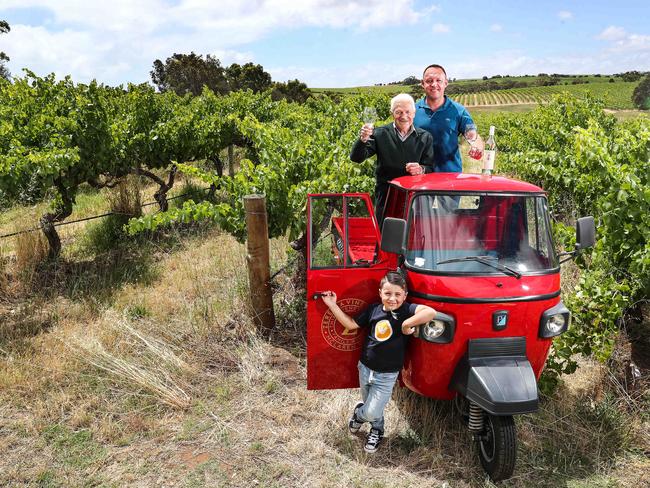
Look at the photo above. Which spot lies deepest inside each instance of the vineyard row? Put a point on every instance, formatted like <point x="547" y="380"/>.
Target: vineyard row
<point x="615" y="95"/>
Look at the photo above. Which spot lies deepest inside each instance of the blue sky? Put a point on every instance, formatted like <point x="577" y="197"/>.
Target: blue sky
<point x="328" y="43"/>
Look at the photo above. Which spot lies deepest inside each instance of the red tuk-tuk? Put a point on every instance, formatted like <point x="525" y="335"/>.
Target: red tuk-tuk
<point x="479" y="250"/>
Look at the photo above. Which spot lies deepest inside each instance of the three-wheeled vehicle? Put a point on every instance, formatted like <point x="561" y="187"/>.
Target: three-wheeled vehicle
<point x="478" y="249"/>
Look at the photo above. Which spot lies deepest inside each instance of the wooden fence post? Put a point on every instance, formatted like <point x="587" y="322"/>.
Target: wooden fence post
<point x="257" y="259"/>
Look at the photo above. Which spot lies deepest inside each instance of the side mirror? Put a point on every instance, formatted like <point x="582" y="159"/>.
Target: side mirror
<point x="393" y="235"/>
<point x="585" y="233"/>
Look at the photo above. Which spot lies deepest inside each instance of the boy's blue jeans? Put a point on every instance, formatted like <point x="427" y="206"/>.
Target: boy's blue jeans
<point x="376" y="390"/>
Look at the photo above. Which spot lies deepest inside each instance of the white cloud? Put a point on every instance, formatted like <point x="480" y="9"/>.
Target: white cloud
<point x="118" y="40"/>
<point x="361" y="75"/>
<point x="441" y="28"/>
<point x="221" y="16"/>
<point x="624" y="43"/>
<point x="565" y="15"/>
<point x="431" y="9"/>
<point x="496" y="28"/>
<point x="44" y="52"/>
<point x="612" y="33"/>
<point x="113" y="16"/>
<point x="517" y="62"/>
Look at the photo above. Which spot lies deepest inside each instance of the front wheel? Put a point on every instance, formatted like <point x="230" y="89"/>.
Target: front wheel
<point x="497" y="446"/>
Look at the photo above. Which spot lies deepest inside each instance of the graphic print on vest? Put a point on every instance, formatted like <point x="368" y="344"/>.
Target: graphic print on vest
<point x="383" y="330"/>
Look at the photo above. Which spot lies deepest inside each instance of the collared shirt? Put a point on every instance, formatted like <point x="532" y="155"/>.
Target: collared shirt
<point x="445" y="124"/>
<point x="408" y="133"/>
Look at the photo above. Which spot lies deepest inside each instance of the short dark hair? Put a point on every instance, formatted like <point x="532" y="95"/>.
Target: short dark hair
<point x="394" y="278"/>
<point x="435" y="66"/>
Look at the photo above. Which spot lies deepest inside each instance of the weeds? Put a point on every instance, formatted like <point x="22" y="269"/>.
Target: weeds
<point x="189" y="191"/>
<point x="138" y="311"/>
<point x="31" y="250"/>
<point x="108" y="233"/>
<point x="126" y="199"/>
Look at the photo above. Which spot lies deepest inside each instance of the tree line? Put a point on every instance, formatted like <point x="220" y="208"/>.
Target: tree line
<point x="189" y="73"/>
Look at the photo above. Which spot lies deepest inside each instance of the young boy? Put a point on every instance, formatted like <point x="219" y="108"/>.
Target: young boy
<point x="389" y="324"/>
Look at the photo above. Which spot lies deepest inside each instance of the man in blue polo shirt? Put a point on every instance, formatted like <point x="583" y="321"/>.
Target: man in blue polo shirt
<point x="445" y="120"/>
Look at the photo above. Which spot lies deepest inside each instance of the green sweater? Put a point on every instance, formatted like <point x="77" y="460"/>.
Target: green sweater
<point x="393" y="153"/>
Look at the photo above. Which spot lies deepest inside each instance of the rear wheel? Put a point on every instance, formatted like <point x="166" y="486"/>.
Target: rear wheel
<point x="497" y="446"/>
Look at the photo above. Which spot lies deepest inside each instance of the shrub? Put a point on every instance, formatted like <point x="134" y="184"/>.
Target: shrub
<point x="641" y="95"/>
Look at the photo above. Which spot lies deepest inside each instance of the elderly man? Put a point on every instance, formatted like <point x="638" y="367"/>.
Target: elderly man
<point x="401" y="149"/>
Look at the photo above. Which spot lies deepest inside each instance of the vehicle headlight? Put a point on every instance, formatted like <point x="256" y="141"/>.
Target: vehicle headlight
<point x="433" y="329"/>
<point x="554" y="321"/>
<point x="439" y="330"/>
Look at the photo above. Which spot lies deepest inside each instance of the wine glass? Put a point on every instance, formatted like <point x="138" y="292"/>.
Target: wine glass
<point x="474" y="151"/>
<point x="369" y="116"/>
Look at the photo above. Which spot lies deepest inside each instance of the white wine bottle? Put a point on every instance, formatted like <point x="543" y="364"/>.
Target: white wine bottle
<point x="490" y="152"/>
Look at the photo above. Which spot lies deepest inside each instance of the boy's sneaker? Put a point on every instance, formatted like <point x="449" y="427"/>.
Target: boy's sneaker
<point x="355" y="424"/>
<point x="372" y="441"/>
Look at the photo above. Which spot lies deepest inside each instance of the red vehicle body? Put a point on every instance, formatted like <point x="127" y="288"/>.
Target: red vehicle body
<point x="476" y="248"/>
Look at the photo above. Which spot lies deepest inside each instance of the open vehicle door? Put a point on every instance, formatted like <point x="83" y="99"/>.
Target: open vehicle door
<point x="344" y="257"/>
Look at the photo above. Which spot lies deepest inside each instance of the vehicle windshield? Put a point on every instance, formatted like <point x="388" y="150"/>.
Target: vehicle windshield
<point x="480" y="234"/>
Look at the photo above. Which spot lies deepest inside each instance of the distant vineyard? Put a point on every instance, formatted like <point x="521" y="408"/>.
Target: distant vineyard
<point x="615" y="95"/>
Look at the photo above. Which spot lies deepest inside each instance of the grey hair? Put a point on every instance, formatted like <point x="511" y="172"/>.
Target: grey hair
<point x="401" y="98"/>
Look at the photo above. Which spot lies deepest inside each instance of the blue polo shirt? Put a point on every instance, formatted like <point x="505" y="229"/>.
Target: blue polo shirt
<point x="445" y="125"/>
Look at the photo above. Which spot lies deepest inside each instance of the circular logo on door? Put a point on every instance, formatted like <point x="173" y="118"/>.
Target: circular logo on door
<point x="338" y="336"/>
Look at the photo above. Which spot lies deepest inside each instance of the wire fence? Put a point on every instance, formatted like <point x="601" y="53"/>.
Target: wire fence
<point x="93" y="217"/>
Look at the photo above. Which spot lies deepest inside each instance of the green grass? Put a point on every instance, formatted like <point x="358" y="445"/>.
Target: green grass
<point x="76" y="449"/>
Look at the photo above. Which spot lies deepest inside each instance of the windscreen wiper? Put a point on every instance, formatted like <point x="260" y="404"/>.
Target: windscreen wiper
<point x="488" y="261"/>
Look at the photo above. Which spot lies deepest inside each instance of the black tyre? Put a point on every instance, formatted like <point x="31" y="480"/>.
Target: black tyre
<point x="497" y="447"/>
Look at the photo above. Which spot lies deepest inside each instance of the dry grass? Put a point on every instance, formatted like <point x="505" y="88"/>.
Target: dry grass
<point x="30" y="249"/>
<point x="145" y="362"/>
<point x="164" y="382"/>
<point x="126" y="198"/>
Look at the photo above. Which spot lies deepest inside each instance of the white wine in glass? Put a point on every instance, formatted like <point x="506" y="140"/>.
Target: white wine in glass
<point x="369" y="117"/>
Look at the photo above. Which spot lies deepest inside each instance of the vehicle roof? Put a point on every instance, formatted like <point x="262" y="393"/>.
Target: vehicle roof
<point x="464" y="182"/>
